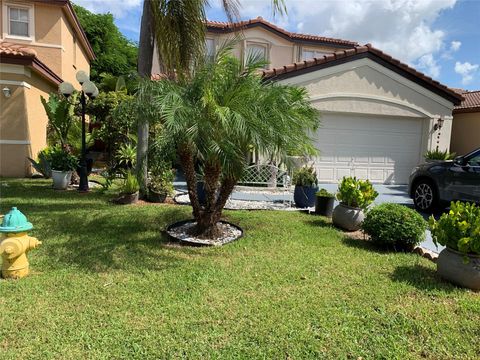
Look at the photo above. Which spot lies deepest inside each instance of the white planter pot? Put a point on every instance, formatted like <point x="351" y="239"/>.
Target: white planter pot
<point x="347" y="218"/>
<point x="61" y="179"/>
<point x="451" y="266"/>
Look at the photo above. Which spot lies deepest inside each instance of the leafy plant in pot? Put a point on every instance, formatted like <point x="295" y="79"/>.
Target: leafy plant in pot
<point x="459" y="231"/>
<point x="160" y="185"/>
<point x="62" y="165"/>
<point x="324" y="201"/>
<point x="306" y="185"/>
<point x="355" y="196"/>
<point x="129" y="189"/>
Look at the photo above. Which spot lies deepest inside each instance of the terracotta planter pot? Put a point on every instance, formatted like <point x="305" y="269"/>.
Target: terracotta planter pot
<point x="451" y="266"/>
<point x="61" y="179"/>
<point x="347" y="218"/>
<point x="127" y="199"/>
<point x="324" y="205"/>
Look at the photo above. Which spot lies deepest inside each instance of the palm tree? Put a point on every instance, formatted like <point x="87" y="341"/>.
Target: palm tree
<point x="178" y="30"/>
<point x="217" y="115"/>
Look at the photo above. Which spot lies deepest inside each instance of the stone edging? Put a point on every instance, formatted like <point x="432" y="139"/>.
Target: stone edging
<point x="427" y="254"/>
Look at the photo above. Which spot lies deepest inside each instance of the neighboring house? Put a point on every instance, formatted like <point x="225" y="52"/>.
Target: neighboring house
<point x="466" y="124"/>
<point x="41" y="45"/>
<point x="378" y="116"/>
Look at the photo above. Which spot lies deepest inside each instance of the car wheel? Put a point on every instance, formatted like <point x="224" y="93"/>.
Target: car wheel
<point x="425" y="196"/>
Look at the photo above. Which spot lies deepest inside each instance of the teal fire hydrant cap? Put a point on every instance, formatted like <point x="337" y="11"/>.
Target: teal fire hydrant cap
<point x="15" y="222"/>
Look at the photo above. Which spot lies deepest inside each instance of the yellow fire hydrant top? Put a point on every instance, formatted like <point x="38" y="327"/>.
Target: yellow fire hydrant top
<point x="15" y="243"/>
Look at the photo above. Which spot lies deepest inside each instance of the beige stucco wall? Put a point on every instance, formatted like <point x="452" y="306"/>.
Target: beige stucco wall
<point x="465" y="132"/>
<point x="23" y="123"/>
<point x="365" y="87"/>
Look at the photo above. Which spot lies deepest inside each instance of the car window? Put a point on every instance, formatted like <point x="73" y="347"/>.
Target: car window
<point x="474" y="161"/>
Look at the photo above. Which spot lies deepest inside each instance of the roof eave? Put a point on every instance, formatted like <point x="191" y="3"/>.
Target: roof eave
<point x="33" y="62"/>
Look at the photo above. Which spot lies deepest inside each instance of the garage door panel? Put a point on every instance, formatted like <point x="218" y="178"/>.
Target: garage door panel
<point x="383" y="150"/>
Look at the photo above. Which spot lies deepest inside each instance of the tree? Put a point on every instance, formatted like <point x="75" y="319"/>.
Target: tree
<point x="217" y="115"/>
<point x="178" y="30"/>
<point x="116" y="55"/>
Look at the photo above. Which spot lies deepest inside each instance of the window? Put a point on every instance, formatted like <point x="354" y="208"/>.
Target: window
<point x="310" y="54"/>
<point x="18" y="21"/>
<point x="257" y="51"/>
<point x="210" y="49"/>
<point x="74" y="52"/>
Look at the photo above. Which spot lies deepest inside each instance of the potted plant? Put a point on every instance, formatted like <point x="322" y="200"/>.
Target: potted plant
<point x="355" y="196"/>
<point x="160" y="185"/>
<point x="459" y="231"/>
<point x="305" y="180"/>
<point x="129" y="190"/>
<point x="324" y="201"/>
<point x="62" y="165"/>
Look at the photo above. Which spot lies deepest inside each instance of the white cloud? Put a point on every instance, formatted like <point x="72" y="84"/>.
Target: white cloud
<point x="466" y="70"/>
<point x="119" y="8"/>
<point x="428" y="64"/>
<point x="402" y="28"/>
<point x="455" y="45"/>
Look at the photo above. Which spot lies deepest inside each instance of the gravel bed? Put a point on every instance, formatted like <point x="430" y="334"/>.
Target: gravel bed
<point x="229" y="233"/>
<point x="233" y="204"/>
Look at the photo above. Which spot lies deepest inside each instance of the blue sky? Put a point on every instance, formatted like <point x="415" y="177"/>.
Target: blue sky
<point x="438" y="37"/>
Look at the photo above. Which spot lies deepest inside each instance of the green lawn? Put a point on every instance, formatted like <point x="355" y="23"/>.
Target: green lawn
<point x="106" y="284"/>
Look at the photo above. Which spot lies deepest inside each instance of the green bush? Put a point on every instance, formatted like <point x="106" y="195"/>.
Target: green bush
<point x="324" y="193"/>
<point x="356" y="193"/>
<point x="161" y="179"/>
<point x="306" y="176"/>
<point x="60" y="160"/>
<point x="459" y="229"/>
<point x="130" y="184"/>
<point x="439" y="155"/>
<point x="42" y="165"/>
<point x="395" y="225"/>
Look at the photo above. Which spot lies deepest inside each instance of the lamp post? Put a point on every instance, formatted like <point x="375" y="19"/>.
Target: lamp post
<point x="88" y="89"/>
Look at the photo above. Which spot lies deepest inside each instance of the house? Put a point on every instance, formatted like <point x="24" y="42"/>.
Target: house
<point x="41" y="45"/>
<point x="379" y="116"/>
<point x="466" y="124"/>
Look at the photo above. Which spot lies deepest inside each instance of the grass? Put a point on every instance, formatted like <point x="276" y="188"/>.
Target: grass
<point x="107" y="284"/>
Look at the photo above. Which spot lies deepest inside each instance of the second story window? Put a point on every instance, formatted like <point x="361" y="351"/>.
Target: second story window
<point x="259" y="51"/>
<point x="210" y="49"/>
<point x="19" y="21"/>
<point x="310" y="54"/>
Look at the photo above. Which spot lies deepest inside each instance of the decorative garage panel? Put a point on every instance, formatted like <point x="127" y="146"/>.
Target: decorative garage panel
<point x="382" y="149"/>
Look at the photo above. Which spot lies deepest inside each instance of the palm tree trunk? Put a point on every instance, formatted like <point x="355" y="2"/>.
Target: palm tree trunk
<point x="145" y="60"/>
<point x="188" y="165"/>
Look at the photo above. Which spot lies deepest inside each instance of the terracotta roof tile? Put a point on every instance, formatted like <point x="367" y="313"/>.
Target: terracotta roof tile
<point x="230" y="27"/>
<point x="368" y="48"/>
<point x="471" y="101"/>
<point x="7" y="48"/>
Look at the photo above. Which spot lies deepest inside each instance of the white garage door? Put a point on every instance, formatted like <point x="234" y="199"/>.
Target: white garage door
<point x="383" y="150"/>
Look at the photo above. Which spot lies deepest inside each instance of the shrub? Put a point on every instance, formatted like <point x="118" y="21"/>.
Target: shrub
<point x="306" y="176"/>
<point x="60" y="160"/>
<point x="439" y="155"/>
<point x="356" y="193"/>
<point x="130" y="184"/>
<point x="161" y="179"/>
<point x="42" y="165"/>
<point x="395" y="225"/>
<point x="324" y="193"/>
<point x="459" y="229"/>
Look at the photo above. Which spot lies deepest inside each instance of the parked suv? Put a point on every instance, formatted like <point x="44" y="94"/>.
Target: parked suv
<point x="434" y="184"/>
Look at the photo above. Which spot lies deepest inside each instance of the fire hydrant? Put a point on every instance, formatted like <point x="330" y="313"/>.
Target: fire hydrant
<point x="14" y="244"/>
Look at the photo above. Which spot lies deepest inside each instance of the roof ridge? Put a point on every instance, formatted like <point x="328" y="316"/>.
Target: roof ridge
<point x="294" y="35"/>
<point x="367" y="48"/>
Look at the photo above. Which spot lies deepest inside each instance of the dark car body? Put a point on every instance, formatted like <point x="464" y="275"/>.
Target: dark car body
<point x="434" y="184"/>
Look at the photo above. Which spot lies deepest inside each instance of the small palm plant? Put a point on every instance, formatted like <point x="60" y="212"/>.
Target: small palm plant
<point x="217" y="115"/>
